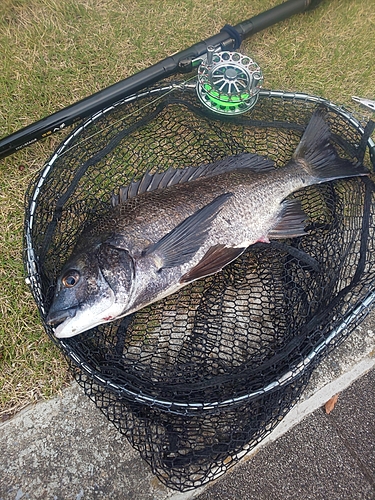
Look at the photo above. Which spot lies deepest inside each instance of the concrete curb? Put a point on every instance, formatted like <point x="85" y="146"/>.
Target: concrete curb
<point x="65" y="449"/>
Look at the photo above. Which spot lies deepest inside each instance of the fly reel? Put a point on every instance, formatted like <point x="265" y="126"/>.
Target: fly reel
<point x="228" y="82"/>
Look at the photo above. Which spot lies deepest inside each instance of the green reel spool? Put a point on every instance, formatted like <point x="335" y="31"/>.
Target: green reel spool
<point x="228" y="82"/>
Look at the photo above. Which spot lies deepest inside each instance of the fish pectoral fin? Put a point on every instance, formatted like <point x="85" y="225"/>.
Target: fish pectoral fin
<point x="213" y="261"/>
<point x="183" y="242"/>
<point x="291" y="222"/>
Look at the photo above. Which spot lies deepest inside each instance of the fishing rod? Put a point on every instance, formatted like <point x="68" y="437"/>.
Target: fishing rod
<point x="229" y="38"/>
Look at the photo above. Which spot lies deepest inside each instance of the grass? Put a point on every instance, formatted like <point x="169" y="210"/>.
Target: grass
<point x="57" y="52"/>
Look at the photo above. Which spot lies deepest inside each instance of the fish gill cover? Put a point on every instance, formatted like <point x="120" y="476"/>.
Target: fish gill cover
<point x="196" y="380"/>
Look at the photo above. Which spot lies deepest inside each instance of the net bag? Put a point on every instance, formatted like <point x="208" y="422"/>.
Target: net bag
<point x="196" y="380"/>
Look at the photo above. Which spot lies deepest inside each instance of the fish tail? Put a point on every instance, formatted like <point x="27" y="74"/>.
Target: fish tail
<point x="318" y="156"/>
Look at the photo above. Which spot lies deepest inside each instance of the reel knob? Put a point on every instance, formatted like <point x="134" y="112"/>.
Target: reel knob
<point x="228" y="82"/>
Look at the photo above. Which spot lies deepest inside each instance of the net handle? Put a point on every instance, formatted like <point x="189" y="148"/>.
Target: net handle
<point x="182" y="62"/>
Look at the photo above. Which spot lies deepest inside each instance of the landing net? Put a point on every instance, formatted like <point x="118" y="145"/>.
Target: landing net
<point x="195" y="381"/>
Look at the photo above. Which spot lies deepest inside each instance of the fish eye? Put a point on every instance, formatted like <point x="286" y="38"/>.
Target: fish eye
<point x="70" y="279"/>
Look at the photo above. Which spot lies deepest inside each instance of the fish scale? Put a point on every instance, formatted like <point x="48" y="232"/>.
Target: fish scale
<point x="156" y="213"/>
<point x="169" y="229"/>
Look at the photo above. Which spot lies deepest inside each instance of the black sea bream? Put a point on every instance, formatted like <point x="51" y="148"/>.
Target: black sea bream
<point x="173" y="228"/>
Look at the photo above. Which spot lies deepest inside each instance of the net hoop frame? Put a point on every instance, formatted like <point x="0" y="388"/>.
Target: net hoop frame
<point x="183" y="408"/>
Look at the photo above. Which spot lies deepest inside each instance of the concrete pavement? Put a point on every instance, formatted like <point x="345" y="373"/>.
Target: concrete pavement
<point x="66" y="449"/>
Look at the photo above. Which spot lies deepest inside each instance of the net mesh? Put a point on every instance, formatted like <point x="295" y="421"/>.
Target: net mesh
<point x="196" y="380"/>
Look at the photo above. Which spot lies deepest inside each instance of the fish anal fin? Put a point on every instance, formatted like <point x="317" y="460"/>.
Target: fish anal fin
<point x="291" y="222"/>
<point x="213" y="261"/>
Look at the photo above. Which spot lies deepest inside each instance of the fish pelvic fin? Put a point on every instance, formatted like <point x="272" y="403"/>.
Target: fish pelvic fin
<point x="318" y="157"/>
<point x="179" y="245"/>
<point x="213" y="261"/>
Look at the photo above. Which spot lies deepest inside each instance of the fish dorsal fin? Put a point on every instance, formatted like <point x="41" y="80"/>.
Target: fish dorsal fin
<point x="213" y="261"/>
<point x="291" y="222"/>
<point x="172" y="176"/>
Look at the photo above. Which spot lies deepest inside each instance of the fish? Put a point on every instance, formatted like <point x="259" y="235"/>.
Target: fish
<point x="169" y="229"/>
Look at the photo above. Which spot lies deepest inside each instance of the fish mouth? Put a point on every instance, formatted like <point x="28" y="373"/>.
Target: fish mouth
<point x="57" y="317"/>
<point x="62" y="330"/>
